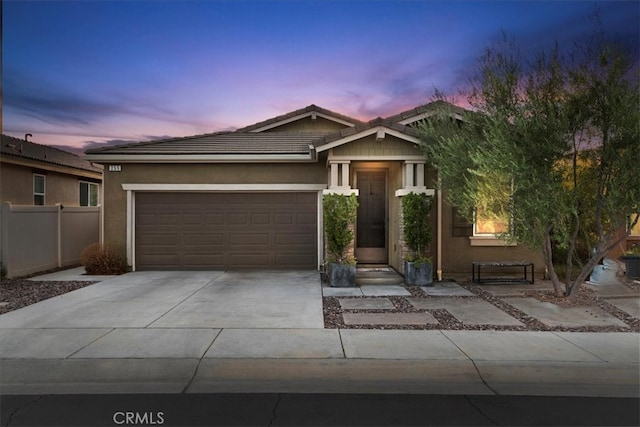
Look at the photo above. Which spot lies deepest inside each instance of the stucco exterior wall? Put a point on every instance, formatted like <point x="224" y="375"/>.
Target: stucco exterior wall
<point x="16" y="185"/>
<point x="458" y="254"/>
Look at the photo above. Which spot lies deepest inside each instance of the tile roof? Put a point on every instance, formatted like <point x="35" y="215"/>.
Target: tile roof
<point x="242" y="143"/>
<point x="17" y="147"/>
<point x="245" y="142"/>
<point x="309" y="109"/>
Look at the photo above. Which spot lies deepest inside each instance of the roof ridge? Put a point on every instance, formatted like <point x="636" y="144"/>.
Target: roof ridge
<point x="308" y="109"/>
<point x="420" y="109"/>
<point x="155" y="141"/>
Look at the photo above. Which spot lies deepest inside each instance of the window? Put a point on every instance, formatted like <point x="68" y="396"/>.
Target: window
<point x="489" y="225"/>
<point x="38" y="189"/>
<point x="635" y="230"/>
<point x="88" y="194"/>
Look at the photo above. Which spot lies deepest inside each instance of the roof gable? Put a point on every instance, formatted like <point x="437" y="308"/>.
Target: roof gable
<point x="410" y="117"/>
<point x="20" y="148"/>
<point x="311" y="112"/>
<point x="380" y="127"/>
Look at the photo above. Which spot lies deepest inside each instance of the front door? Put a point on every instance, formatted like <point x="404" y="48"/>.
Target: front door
<point x="371" y="227"/>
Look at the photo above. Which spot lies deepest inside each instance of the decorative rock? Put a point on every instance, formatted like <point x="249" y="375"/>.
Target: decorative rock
<point x="605" y="274"/>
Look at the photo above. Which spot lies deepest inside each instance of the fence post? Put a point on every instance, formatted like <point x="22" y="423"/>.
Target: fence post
<point x="4" y="236"/>
<point x="59" y="226"/>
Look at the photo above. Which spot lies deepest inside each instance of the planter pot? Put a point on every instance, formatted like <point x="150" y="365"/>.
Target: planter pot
<point x="342" y="275"/>
<point x="633" y="266"/>
<point x="418" y="274"/>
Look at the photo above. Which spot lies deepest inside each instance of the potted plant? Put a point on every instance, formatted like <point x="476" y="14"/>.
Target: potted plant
<point x="631" y="260"/>
<point x="339" y="219"/>
<point x="416" y="219"/>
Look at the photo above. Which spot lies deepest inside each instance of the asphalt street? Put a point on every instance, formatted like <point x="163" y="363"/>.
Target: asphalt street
<point x="316" y="410"/>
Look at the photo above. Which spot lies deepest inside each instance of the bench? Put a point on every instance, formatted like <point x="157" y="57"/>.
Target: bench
<point x="476" y="269"/>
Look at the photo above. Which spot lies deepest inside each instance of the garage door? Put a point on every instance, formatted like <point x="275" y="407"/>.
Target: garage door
<point x="190" y="231"/>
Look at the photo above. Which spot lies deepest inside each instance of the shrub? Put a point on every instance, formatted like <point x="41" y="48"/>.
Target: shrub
<point x="416" y="210"/>
<point x="3" y="271"/>
<point x="102" y="259"/>
<point x="339" y="218"/>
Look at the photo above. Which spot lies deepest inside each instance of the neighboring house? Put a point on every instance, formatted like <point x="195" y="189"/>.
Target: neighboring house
<point x="35" y="174"/>
<point x="253" y="198"/>
<point x="49" y="203"/>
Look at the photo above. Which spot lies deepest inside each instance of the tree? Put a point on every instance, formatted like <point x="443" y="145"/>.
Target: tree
<point x="551" y="146"/>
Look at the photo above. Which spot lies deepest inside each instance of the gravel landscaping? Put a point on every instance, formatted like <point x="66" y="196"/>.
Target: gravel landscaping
<point x="19" y="292"/>
<point x="333" y="311"/>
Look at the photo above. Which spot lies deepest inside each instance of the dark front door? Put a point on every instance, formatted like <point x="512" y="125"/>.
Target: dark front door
<point x="371" y="228"/>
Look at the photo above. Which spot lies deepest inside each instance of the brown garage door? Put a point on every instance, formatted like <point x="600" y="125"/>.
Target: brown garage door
<point x="225" y="230"/>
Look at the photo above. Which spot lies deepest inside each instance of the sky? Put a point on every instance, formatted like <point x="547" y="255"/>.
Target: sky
<point x="85" y="73"/>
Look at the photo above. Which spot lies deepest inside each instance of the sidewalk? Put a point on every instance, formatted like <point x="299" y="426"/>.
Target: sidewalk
<point x="134" y="360"/>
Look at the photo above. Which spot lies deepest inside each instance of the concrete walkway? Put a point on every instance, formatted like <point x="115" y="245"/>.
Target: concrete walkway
<point x="210" y="332"/>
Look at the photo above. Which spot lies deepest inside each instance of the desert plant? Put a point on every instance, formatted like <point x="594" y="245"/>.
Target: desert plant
<point x="339" y="218"/>
<point x="416" y="220"/>
<point x="103" y="259"/>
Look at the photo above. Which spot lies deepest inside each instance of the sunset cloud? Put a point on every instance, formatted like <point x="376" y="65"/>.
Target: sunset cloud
<point x="85" y="74"/>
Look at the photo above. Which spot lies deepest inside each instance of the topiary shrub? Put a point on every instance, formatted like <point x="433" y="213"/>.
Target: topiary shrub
<point x="100" y="259"/>
<point x="416" y="209"/>
<point x="340" y="214"/>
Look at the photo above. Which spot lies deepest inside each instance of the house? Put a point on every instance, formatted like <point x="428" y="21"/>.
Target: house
<point x="49" y="203"/>
<point x="252" y="198"/>
<point x="36" y="174"/>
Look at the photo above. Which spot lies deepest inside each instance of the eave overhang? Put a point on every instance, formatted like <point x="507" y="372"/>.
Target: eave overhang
<point x="202" y="158"/>
<point x="53" y="167"/>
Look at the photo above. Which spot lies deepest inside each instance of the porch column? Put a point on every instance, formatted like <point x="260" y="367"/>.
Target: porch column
<point x="339" y="177"/>
<point x="413" y="179"/>
<point x="333" y="180"/>
<point x="345" y="175"/>
<point x="413" y="174"/>
<point x="419" y="174"/>
<point x="408" y="174"/>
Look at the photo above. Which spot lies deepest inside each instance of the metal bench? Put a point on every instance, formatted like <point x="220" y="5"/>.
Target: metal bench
<point x="476" y="269"/>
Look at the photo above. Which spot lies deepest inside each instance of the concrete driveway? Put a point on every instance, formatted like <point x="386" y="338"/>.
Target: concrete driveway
<point x="252" y="299"/>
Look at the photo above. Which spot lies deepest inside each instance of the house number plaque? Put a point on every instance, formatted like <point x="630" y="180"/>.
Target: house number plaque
<point x="115" y="168"/>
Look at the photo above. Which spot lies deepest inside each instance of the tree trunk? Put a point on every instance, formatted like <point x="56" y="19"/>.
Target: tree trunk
<point x="571" y="249"/>
<point x="572" y="290"/>
<point x="548" y="261"/>
<point x="605" y="245"/>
